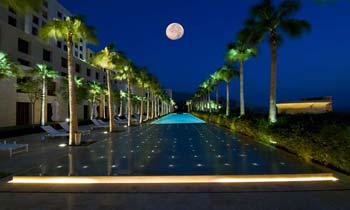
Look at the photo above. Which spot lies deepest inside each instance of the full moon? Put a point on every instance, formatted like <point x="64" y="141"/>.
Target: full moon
<point x="175" y="31"/>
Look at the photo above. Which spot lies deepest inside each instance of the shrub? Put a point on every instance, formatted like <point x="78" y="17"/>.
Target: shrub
<point x="322" y="138"/>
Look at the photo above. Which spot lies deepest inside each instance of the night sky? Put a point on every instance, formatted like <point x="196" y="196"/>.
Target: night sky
<point x="317" y="64"/>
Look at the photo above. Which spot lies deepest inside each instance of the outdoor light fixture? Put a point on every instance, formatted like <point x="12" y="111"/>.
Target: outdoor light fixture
<point x="62" y="145"/>
<point x="172" y="179"/>
<point x="105" y="132"/>
<point x="67" y="119"/>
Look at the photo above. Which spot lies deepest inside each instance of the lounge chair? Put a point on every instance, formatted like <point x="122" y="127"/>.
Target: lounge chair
<point x="120" y="121"/>
<point x="14" y="148"/>
<point x="102" y="122"/>
<point x="98" y="125"/>
<point x="65" y="127"/>
<point x="51" y="132"/>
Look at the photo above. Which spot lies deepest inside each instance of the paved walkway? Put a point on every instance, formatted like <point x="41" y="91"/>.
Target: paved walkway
<point x="41" y="149"/>
<point x="328" y="195"/>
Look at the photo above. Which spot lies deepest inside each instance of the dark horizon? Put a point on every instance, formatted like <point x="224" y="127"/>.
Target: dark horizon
<point x="313" y="65"/>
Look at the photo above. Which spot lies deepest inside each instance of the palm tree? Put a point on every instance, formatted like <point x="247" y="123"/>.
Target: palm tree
<point x="126" y="71"/>
<point x="7" y="68"/>
<point x="71" y="29"/>
<point x="216" y="80"/>
<point x="23" y="7"/>
<point x="150" y="83"/>
<point x="94" y="90"/>
<point x="142" y="79"/>
<point x="106" y="59"/>
<point x="43" y="73"/>
<point x="243" y="49"/>
<point x="81" y="90"/>
<point x="226" y="73"/>
<point x="274" y="21"/>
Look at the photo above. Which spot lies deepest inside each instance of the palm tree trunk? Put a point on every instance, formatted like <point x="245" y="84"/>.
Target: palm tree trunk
<point x="141" y="108"/>
<point x="153" y="104"/>
<point x="73" y="115"/>
<point x="43" y="102"/>
<point x="227" y="98"/>
<point x="129" y="104"/>
<point x="272" y="109"/>
<point x="92" y="114"/>
<point x="121" y="106"/>
<point x="148" y="98"/>
<point x="241" y="77"/>
<point x="209" y="101"/>
<point x="217" y="97"/>
<point x="110" y="102"/>
<point x="33" y="113"/>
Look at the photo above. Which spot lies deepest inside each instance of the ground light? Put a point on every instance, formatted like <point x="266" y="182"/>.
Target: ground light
<point x="173" y="179"/>
<point x="62" y="145"/>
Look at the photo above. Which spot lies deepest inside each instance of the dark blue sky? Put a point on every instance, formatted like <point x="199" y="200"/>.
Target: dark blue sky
<point x="316" y="64"/>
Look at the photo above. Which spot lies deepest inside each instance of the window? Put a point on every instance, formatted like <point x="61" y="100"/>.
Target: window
<point x="35" y="20"/>
<point x="23" y="46"/>
<point x="76" y="46"/>
<point x="64" y="74"/>
<point x="43" y="23"/>
<point x="12" y="21"/>
<point x="44" y="14"/>
<point x="46" y="55"/>
<point x="77" y="68"/>
<point x="45" y="3"/>
<point x="81" y="40"/>
<point x="81" y="48"/>
<point x="97" y="76"/>
<point x="34" y="31"/>
<point x="75" y="53"/>
<point x="59" y="15"/>
<point x="88" y="72"/>
<point x="51" y="88"/>
<point x="104" y="78"/>
<point x="65" y="48"/>
<point x="59" y="44"/>
<point x="80" y="56"/>
<point x="23" y="62"/>
<point x="64" y="62"/>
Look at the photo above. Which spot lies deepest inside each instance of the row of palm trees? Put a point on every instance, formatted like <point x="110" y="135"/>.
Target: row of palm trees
<point x="266" y="21"/>
<point x="115" y="63"/>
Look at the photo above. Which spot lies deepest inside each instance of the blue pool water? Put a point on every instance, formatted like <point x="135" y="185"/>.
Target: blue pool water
<point x="184" y="118"/>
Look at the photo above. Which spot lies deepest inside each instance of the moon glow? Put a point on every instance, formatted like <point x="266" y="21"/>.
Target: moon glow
<point x="175" y="31"/>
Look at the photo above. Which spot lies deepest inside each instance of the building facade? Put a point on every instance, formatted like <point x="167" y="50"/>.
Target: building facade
<point x="306" y="106"/>
<point x="19" y="40"/>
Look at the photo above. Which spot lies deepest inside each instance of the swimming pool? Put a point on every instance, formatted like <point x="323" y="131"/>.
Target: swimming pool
<point x="173" y="149"/>
<point x="184" y="118"/>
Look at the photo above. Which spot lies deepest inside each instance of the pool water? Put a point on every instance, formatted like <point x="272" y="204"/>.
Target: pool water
<point x="174" y="118"/>
<point x="174" y="149"/>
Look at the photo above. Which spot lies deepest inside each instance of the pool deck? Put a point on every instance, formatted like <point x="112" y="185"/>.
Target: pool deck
<point x="311" y="195"/>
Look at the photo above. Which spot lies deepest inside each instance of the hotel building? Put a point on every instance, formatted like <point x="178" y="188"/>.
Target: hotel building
<point x="19" y="40"/>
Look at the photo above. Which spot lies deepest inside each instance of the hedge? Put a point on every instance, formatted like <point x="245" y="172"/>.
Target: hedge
<point x="321" y="138"/>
